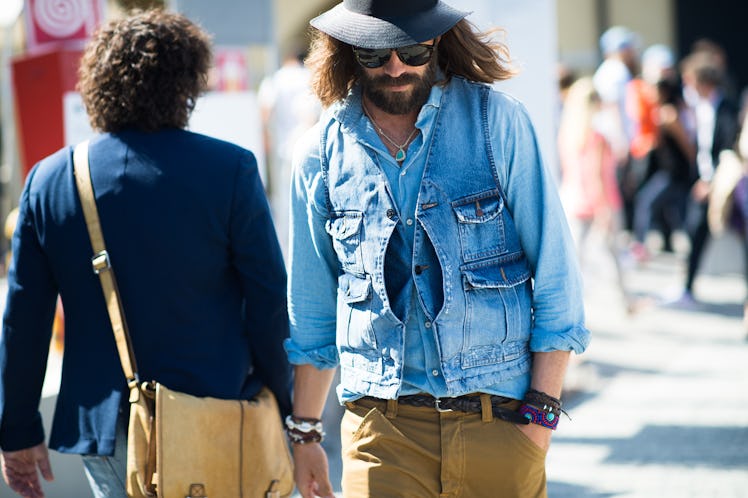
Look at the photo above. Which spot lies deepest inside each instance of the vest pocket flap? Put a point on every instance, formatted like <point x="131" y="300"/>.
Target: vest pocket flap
<point x="354" y="289"/>
<point x="344" y="225"/>
<point x="504" y="274"/>
<point x="478" y="208"/>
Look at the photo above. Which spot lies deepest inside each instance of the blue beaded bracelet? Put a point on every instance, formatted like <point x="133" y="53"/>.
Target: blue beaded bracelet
<point x="539" y="417"/>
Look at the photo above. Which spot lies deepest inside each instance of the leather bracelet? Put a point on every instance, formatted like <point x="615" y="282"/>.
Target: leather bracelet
<point x="540" y="417"/>
<point x="304" y="430"/>
<point x="538" y="397"/>
<point x="305" y="437"/>
<point x="299" y="424"/>
<point x="543" y="401"/>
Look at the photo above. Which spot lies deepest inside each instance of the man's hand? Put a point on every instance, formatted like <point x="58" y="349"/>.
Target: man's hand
<point x="700" y="191"/>
<point x="20" y="470"/>
<point x="311" y="471"/>
<point x="538" y="434"/>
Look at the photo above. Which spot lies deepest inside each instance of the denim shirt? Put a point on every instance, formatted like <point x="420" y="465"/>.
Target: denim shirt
<point x="500" y="277"/>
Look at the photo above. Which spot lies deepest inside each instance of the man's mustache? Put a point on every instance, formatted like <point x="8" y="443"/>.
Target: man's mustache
<point x="403" y="79"/>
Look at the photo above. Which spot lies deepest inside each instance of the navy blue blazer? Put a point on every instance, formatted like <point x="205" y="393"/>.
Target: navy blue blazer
<point x="198" y="265"/>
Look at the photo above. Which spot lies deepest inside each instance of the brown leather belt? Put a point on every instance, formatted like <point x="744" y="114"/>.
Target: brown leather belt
<point x="469" y="403"/>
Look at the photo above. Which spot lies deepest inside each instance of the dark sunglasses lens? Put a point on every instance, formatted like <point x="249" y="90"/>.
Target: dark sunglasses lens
<point x="415" y="55"/>
<point x="372" y="57"/>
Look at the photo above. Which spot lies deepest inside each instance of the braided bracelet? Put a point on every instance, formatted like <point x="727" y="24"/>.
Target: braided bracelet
<point x="538" y="398"/>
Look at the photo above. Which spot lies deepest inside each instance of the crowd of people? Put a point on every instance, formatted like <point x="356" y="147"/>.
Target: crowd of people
<point x="642" y="144"/>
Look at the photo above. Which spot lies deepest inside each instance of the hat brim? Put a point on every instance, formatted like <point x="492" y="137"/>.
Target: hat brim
<point x="365" y="31"/>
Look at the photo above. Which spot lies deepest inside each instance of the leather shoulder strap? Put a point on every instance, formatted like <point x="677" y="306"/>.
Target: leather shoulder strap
<point x="101" y="264"/>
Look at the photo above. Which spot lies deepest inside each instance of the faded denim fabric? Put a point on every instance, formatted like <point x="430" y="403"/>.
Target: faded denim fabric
<point x="473" y="276"/>
<point x="107" y="474"/>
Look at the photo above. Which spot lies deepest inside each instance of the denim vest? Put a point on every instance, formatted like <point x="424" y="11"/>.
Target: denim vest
<point x="483" y="293"/>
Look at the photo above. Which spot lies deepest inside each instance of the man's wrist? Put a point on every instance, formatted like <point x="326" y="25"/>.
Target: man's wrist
<point x="541" y="409"/>
<point x="538" y="416"/>
<point x="302" y="430"/>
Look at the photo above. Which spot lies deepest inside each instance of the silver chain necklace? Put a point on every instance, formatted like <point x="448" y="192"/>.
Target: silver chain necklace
<point x="400" y="155"/>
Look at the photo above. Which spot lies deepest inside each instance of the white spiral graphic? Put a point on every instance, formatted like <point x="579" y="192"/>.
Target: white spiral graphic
<point x="60" y="18"/>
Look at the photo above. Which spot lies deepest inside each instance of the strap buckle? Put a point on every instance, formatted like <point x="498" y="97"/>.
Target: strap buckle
<point x="437" y="406"/>
<point x="100" y="262"/>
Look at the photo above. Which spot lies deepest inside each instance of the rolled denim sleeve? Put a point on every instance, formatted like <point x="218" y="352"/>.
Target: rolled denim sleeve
<point x="313" y="265"/>
<point x="532" y="198"/>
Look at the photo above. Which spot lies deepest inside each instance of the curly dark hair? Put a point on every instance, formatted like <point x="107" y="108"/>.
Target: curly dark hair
<point x="462" y="51"/>
<point x="144" y="72"/>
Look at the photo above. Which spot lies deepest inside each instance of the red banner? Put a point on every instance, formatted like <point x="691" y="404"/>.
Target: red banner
<point x="55" y="22"/>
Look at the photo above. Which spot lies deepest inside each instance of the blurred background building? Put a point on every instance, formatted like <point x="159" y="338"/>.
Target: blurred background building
<point x="253" y="37"/>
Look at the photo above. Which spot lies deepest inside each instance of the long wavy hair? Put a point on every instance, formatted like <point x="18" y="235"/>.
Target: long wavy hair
<point x="462" y="51"/>
<point x="144" y="72"/>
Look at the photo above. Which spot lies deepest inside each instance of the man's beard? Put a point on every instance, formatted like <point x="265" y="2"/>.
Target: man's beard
<point x="376" y="89"/>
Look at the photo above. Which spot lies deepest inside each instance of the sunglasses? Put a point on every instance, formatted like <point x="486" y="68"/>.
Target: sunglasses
<point x="412" y="55"/>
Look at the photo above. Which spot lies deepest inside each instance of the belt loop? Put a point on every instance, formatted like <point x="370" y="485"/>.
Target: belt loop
<point x="486" y="408"/>
<point x="391" y="410"/>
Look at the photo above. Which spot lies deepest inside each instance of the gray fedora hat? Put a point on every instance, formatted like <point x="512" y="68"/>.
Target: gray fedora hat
<point x="387" y="23"/>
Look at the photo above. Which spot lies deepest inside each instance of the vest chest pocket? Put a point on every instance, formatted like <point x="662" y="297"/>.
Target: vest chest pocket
<point x="481" y="225"/>
<point x="498" y="316"/>
<point x="345" y="230"/>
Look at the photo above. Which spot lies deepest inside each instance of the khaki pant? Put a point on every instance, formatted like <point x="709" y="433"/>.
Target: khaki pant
<point x="396" y="450"/>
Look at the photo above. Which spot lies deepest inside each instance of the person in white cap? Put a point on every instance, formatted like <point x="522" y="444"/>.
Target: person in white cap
<point x="430" y="260"/>
<point x="619" y="46"/>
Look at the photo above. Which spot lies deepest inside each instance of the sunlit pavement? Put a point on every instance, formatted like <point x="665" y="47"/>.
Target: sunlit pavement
<point x="659" y="402"/>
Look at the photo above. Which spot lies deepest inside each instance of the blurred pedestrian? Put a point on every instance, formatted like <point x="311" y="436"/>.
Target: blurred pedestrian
<point x="620" y="48"/>
<point x="288" y="108"/>
<point x="661" y="199"/>
<point x="716" y="131"/>
<point x="187" y="227"/>
<point x="728" y="197"/>
<point x="446" y="284"/>
<point x="589" y="190"/>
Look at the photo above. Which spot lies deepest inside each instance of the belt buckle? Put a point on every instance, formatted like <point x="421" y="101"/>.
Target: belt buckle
<point x="437" y="403"/>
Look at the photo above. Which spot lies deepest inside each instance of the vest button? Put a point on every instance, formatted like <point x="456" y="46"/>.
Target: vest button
<point x="391" y="214"/>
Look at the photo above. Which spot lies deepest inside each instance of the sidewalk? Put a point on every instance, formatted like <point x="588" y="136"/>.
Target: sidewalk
<point x="659" y="402"/>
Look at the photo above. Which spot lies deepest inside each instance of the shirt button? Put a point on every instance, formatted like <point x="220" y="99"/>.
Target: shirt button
<point x="409" y="222"/>
<point x="427" y="325"/>
<point x="435" y="373"/>
<point x="391" y="213"/>
<point x="402" y="174"/>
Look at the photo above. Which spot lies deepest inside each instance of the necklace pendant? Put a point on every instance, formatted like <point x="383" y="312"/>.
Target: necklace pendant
<point x="400" y="156"/>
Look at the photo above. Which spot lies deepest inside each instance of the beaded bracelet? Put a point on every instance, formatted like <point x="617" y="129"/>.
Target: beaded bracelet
<point x="540" y="417"/>
<point x="304" y="430"/>
<point x="304" y="438"/>
<point x="544" y="401"/>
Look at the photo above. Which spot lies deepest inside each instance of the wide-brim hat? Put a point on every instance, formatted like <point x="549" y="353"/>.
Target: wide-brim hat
<point x="387" y="23"/>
